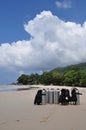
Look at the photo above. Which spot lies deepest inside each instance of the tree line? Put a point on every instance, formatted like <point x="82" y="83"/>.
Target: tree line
<point x="71" y="77"/>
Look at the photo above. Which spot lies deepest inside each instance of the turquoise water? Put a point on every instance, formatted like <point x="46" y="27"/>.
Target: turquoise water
<point x="4" y="88"/>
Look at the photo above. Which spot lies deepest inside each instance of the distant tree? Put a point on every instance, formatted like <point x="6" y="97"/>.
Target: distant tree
<point x="33" y="79"/>
<point x="57" y="79"/>
<point x="23" y="79"/>
<point x="83" y="79"/>
<point x="72" y="77"/>
<point x="46" y="78"/>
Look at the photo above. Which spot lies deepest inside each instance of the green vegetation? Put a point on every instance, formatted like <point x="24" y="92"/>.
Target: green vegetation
<point x="73" y="75"/>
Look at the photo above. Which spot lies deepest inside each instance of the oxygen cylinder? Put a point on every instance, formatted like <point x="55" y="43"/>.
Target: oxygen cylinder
<point x="78" y="97"/>
<point x="43" y="97"/>
<point x="47" y="95"/>
<point x="51" y="96"/>
<point x="56" y="96"/>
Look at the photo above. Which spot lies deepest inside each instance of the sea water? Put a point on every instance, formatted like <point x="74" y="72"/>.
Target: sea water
<point x="5" y="88"/>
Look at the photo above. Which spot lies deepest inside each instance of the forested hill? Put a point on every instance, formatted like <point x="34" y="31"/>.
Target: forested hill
<point x="73" y="75"/>
<point x="81" y="66"/>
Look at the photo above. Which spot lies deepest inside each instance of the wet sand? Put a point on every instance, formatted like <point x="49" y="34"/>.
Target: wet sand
<point x="18" y="112"/>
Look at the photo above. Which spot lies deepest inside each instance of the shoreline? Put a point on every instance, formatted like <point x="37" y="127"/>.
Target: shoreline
<point x="30" y="87"/>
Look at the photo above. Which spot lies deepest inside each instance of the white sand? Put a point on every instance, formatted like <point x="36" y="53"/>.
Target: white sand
<point x="17" y="112"/>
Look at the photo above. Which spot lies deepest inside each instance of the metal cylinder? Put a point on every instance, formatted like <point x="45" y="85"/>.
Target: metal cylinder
<point x="56" y="96"/>
<point x="43" y="97"/>
<point x="78" y="97"/>
<point x="47" y="95"/>
<point x="51" y="96"/>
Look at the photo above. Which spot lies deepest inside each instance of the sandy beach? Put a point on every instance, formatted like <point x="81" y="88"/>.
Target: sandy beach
<point x="18" y="112"/>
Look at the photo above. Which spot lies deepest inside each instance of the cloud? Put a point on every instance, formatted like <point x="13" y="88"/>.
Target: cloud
<point x="65" y="4"/>
<point x="53" y="42"/>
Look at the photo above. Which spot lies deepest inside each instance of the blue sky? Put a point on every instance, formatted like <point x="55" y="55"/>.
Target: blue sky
<point x="27" y="33"/>
<point x="14" y="13"/>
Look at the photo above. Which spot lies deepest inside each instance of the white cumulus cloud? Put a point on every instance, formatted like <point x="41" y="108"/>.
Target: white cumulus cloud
<point x="53" y="43"/>
<point x="64" y="4"/>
